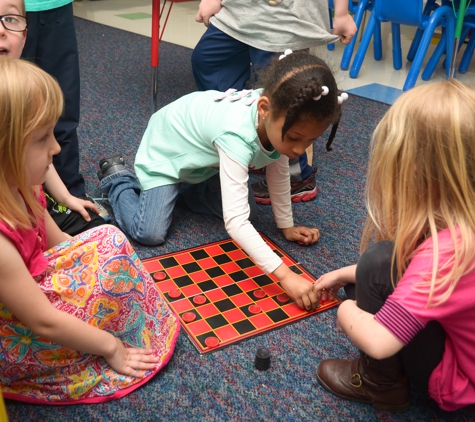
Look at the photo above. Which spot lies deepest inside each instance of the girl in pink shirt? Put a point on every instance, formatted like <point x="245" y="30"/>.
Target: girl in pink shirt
<point x="414" y="315"/>
<point x="81" y="321"/>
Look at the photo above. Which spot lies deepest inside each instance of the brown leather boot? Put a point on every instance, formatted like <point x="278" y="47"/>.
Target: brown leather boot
<point x="379" y="382"/>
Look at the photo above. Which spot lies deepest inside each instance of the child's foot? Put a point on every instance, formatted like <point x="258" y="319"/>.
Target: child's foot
<point x="303" y="191"/>
<point x="102" y="211"/>
<point x="110" y="166"/>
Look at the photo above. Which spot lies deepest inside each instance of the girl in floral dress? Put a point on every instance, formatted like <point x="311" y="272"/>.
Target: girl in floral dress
<point x="80" y="319"/>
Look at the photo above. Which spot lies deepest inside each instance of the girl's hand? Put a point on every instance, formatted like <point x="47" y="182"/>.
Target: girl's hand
<point x="131" y="361"/>
<point x="206" y="9"/>
<point x="302" y="235"/>
<point x="80" y="206"/>
<point x="345" y="26"/>
<point x="298" y="287"/>
<point x="327" y="286"/>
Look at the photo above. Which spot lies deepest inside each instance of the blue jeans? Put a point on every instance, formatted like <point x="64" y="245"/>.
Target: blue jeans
<point x="146" y="215"/>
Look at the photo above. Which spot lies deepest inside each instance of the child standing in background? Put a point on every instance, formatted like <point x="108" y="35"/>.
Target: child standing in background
<point x="243" y="37"/>
<point x="414" y="315"/>
<point x="207" y="133"/>
<point x="73" y="215"/>
<point x="81" y="321"/>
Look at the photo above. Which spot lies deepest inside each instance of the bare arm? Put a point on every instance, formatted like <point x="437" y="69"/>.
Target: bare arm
<point x="54" y="235"/>
<point x="343" y="23"/>
<point x="207" y="8"/>
<point x="55" y="186"/>
<point x="328" y="284"/>
<point x="20" y="294"/>
<point x="366" y="333"/>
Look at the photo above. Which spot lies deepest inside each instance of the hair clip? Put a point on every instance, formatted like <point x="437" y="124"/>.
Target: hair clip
<point x="342" y="97"/>
<point x="286" y="53"/>
<point x="324" y="92"/>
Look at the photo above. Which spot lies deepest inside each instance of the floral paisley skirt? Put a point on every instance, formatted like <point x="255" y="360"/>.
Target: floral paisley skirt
<point x="97" y="277"/>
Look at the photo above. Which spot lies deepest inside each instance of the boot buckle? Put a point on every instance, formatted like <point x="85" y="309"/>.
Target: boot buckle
<point x="355" y="380"/>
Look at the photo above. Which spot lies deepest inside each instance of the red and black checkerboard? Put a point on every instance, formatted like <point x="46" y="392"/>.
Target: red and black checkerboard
<point x="230" y="287"/>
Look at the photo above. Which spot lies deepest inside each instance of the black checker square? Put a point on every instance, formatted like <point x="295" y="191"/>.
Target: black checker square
<point x="228" y="247"/>
<point x="216" y="321"/>
<point x="222" y="259"/>
<point x="278" y="253"/>
<point x="169" y="262"/>
<point x="244" y="326"/>
<point x="296" y="270"/>
<point x="239" y="276"/>
<point x="199" y="254"/>
<point x="183" y="281"/>
<point x="202" y="337"/>
<point x="245" y="263"/>
<point x="224" y="305"/>
<point x="277" y="315"/>
<point x="207" y="285"/>
<point x="263" y="280"/>
<point x="192" y="267"/>
<point x="215" y="272"/>
<point x="232" y="289"/>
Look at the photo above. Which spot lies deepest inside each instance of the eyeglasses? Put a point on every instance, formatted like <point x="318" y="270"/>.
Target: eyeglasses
<point x="17" y="23"/>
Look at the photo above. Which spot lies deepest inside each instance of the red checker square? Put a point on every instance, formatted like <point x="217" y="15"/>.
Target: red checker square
<point x="228" y="332"/>
<point x="198" y="327"/>
<point x="241" y="299"/>
<point x="261" y="320"/>
<point x="166" y="286"/>
<point x="214" y="250"/>
<point x="215" y="295"/>
<point x="181" y="305"/>
<point x="293" y="310"/>
<point x="184" y="258"/>
<point x="237" y="254"/>
<point x="254" y="271"/>
<point x="287" y="261"/>
<point x="267" y="304"/>
<point x="207" y="263"/>
<point x="273" y="289"/>
<point x="199" y="276"/>
<point x="247" y="285"/>
<point x="234" y="315"/>
<point x="223" y="280"/>
<point x="152" y="266"/>
<point x="230" y="267"/>
<point x="176" y="271"/>
<point x="191" y="290"/>
<point x="208" y="310"/>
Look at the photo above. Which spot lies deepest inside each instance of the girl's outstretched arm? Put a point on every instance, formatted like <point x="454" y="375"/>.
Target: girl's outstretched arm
<point x="328" y="284"/>
<point x="366" y="333"/>
<point x="21" y="295"/>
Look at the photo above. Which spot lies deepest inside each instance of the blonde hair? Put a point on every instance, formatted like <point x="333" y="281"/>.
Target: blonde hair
<point x="29" y="99"/>
<point x="421" y="180"/>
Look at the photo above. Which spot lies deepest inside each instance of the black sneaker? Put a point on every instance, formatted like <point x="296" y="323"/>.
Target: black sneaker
<point x="102" y="211"/>
<point x="110" y="166"/>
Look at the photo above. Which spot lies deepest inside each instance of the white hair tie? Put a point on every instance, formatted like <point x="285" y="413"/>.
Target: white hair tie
<point x="324" y="92"/>
<point x="287" y="52"/>
<point x="342" y="97"/>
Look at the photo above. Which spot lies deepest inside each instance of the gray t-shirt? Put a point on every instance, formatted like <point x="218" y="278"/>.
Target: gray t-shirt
<point x="275" y="25"/>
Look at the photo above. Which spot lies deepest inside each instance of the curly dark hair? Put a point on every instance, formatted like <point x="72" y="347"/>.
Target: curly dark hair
<point x="293" y="82"/>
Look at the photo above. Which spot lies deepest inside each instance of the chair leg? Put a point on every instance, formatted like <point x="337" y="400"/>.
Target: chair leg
<point x="360" y="54"/>
<point x="397" y="51"/>
<point x="431" y="5"/>
<point x="358" y="18"/>
<point x="331" y="46"/>
<point x="435" y="58"/>
<point x="467" y="55"/>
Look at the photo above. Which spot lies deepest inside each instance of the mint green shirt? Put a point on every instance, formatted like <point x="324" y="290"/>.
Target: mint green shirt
<point x="179" y="144"/>
<point x="42" y="5"/>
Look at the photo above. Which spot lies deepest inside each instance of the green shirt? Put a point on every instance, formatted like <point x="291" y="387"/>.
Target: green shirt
<point x="179" y="142"/>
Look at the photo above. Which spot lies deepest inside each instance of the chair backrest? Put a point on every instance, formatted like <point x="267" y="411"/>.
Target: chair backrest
<point x="403" y="12"/>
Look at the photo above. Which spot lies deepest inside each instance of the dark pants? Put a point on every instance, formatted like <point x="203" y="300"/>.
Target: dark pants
<point x="373" y="286"/>
<point x="51" y="44"/>
<point x="221" y="62"/>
